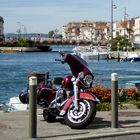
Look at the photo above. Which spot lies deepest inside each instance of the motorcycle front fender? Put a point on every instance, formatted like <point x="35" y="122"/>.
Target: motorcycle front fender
<point x="82" y="95"/>
<point x="89" y="96"/>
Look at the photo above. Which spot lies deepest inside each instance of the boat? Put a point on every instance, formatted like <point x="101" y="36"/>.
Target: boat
<point x="94" y="53"/>
<point x="131" y="56"/>
<point x="13" y="104"/>
<point x="35" y="48"/>
<point x="133" y="84"/>
<point x="43" y="47"/>
<point x="9" y="51"/>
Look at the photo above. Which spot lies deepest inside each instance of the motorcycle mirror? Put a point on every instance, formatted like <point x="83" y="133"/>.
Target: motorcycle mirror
<point x="81" y="75"/>
<point x="73" y="79"/>
<point x="62" y="54"/>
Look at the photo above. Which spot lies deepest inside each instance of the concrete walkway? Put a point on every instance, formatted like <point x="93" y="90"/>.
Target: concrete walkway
<point x="14" y="126"/>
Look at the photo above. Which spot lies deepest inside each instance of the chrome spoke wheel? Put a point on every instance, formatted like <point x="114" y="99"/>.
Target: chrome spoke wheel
<point x="81" y="117"/>
<point x="80" y="114"/>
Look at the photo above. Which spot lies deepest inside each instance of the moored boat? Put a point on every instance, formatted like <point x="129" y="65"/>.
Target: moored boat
<point x="94" y="53"/>
<point x="131" y="56"/>
<point x="13" y="104"/>
<point x="36" y="48"/>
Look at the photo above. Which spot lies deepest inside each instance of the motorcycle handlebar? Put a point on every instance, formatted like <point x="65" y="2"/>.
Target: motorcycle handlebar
<point x="60" y="60"/>
<point x="62" y="53"/>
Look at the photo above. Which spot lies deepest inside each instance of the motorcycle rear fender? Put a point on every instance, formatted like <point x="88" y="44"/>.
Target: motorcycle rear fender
<point x="82" y="95"/>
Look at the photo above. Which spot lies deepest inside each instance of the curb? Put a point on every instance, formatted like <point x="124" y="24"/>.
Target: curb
<point x="105" y="135"/>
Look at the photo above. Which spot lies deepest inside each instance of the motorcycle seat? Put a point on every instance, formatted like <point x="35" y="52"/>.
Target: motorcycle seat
<point x="57" y="82"/>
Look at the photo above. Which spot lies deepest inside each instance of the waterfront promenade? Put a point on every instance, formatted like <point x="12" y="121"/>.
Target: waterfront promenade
<point x="14" y="126"/>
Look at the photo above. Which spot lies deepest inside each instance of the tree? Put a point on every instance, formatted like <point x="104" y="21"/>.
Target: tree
<point x="23" y="42"/>
<point x="56" y="31"/>
<point x="51" y="34"/>
<point x="123" y="42"/>
<point x="19" y="32"/>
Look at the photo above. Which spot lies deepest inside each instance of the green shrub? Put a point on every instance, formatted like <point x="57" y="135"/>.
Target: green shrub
<point x="23" y="42"/>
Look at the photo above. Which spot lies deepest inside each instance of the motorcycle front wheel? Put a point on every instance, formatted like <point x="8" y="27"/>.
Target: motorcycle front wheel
<point x="81" y="117"/>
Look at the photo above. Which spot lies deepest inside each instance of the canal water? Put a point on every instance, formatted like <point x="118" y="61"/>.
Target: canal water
<point x="14" y="68"/>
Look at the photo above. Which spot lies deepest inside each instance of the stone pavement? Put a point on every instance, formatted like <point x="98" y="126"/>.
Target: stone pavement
<point x="14" y="126"/>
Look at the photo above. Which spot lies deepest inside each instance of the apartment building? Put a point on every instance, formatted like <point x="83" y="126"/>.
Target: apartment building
<point x="1" y="28"/>
<point x="123" y="28"/>
<point x="92" y="31"/>
<point x="136" y="30"/>
<point x="128" y="28"/>
<point x="96" y="32"/>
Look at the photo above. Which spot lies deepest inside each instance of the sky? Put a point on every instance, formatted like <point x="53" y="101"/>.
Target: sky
<point x="42" y="16"/>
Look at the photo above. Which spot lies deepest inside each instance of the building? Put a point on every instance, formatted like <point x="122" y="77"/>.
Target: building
<point x="88" y="31"/>
<point x="136" y="29"/>
<point x="1" y="29"/>
<point x="123" y="28"/>
<point x="136" y="32"/>
<point x="99" y="32"/>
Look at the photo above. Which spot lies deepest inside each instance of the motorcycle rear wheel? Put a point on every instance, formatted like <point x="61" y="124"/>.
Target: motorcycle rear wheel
<point x="48" y="117"/>
<point x="78" y="119"/>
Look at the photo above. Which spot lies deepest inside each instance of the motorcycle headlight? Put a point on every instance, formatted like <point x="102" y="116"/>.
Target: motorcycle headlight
<point x="88" y="80"/>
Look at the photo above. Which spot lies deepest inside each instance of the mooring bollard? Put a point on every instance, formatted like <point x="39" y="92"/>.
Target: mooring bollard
<point x="46" y="77"/>
<point x="114" y="100"/>
<point x="107" y="57"/>
<point x="118" y="50"/>
<point x="33" y="107"/>
<point x="98" y="56"/>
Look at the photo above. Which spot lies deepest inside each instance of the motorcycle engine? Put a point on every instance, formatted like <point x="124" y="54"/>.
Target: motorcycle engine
<point x="64" y="87"/>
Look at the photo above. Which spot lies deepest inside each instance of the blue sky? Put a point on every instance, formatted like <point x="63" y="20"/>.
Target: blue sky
<point x="41" y="16"/>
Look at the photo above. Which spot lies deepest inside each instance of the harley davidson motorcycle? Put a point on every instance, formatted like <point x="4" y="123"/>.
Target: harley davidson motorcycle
<point x="68" y="97"/>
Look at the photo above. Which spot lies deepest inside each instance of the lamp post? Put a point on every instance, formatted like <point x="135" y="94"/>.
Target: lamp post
<point x="111" y="25"/>
<point x="112" y="8"/>
<point x="125" y="22"/>
<point x="111" y="29"/>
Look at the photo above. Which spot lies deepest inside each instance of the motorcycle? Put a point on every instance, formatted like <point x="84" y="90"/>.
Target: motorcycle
<point x="68" y="97"/>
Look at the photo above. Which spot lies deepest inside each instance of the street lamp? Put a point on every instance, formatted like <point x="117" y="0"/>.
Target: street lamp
<point x="125" y="22"/>
<point x="112" y="8"/>
<point x="111" y="29"/>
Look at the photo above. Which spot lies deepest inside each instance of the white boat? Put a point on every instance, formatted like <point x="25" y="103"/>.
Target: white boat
<point x="131" y="56"/>
<point x="95" y="53"/>
<point x="14" y="104"/>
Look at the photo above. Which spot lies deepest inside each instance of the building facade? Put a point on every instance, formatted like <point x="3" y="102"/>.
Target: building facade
<point x="123" y="28"/>
<point x="136" y="30"/>
<point x="96" y="32"/>
<point x="86" y="31"/>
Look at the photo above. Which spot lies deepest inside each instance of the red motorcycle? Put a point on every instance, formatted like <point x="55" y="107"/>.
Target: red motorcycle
<point x="68" y="97"/>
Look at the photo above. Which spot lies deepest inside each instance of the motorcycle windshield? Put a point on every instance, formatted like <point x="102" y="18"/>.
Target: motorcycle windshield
<point x="77" y="64"/>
